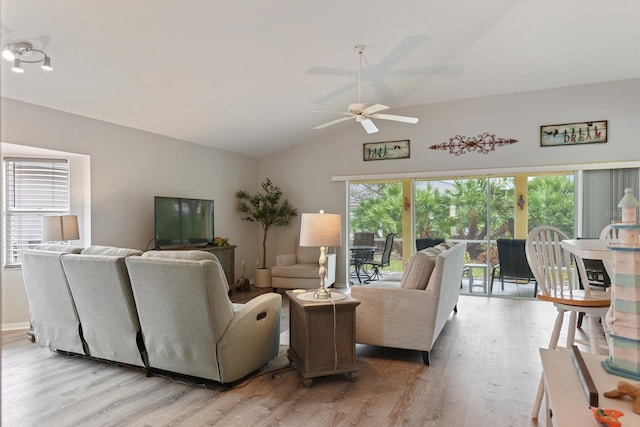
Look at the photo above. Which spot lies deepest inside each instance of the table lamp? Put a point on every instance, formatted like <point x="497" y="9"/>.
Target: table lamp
<point x="60" y="228"/>
<point x="323" y="230"/>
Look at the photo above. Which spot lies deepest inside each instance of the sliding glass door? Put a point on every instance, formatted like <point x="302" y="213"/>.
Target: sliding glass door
<point x="474" y="210"/>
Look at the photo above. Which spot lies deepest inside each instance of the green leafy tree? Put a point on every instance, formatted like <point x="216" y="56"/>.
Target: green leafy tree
<point x="469" y="196"/>
<point x="432" y="213"/>
<point x="501" y="208"/>
<point x="266" y="208"/>
<point x="380" y="209"/>
<point x="551" y="201"/>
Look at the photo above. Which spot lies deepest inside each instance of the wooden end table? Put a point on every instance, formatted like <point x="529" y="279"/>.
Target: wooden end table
<point x="322" y="335"/>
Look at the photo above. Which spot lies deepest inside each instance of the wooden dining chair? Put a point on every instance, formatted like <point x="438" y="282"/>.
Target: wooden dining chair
<point x="556" y="271"/>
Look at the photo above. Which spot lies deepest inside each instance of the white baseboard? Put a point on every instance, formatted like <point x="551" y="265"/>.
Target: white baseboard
<point x="15" y="326"/>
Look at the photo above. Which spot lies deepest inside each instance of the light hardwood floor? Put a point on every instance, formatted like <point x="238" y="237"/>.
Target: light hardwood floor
<point x="485" y="370"/>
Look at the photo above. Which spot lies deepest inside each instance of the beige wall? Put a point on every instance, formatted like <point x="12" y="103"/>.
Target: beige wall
<point x="128" y="168"/>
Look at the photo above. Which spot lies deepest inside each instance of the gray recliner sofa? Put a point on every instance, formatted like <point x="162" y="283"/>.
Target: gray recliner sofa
<point x="100" y="286"/>
<point x="165" y="310"/>
<point x="189" y="324"/>
<point x="53" y="313"/>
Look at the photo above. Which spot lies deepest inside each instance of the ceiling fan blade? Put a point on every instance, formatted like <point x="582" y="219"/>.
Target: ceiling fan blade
<point x="368" y="126"/>
<point x="333" y="112"/>
<point x="395" y="118"/>
<point x="333" y="122"/>
<point x="375" y="108"/>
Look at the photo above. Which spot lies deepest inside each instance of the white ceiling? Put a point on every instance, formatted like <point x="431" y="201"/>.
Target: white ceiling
<point x="245" y="75"/>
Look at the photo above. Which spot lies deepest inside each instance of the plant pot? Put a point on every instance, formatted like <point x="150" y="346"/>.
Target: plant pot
<point x="263" y="278"/>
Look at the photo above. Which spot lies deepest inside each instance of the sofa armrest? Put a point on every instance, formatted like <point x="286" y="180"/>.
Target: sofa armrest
<point x="285" y="259"/>
<point x="251" y="339"/>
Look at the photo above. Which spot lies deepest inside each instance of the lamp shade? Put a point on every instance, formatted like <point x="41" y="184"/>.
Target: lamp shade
<point x="320" y="229"/>
<point x="57" y="228"/>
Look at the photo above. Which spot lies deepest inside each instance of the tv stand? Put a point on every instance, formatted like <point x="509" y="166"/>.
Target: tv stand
<point x="225" y="254"/>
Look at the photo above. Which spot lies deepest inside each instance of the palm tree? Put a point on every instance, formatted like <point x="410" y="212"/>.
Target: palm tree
<point x="551" y="201"/>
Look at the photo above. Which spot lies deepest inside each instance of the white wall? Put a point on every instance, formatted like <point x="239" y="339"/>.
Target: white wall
<point x="306" y="171"/>
<point x="128" y="168"/>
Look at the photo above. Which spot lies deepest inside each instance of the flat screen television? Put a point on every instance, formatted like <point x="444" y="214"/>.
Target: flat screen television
<point x="183" y="222"/>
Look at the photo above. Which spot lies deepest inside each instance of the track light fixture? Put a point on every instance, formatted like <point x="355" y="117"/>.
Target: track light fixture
<point x="23" y="52"/>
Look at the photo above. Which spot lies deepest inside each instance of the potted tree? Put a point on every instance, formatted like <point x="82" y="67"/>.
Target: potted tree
<point x="269" y="210"/>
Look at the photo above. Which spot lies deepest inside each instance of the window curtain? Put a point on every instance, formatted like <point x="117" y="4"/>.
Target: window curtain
<point x="601" y="193"/>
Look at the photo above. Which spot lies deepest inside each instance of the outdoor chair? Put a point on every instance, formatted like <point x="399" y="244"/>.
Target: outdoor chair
<point x="512" y="264"/>
<point x="384" y="261"/>
<point x="555" y="268"/>
<point x="361" y="252"/>
<point x="428" y="242"/>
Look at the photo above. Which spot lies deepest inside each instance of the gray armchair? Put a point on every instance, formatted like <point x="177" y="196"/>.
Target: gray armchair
<point x="301" y="270"/>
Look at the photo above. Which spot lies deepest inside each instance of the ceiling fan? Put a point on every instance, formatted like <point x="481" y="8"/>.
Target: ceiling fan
<point x="358" y="111"/>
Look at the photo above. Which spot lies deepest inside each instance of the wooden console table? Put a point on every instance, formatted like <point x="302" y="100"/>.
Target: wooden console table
<point x="566" y="403"/>
<point x="322" y="335"/>
<point x="226" y="256"/>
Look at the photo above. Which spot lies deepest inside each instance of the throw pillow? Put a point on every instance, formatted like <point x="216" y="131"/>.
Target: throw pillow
<point x="432" y="251"/>
<point x="418" y="271"/>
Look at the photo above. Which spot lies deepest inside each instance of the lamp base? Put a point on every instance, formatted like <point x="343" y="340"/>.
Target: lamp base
<point x="322" y="293"/>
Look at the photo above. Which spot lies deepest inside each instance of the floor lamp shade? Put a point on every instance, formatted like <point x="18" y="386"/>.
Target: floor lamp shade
<point x="60" y="228"/>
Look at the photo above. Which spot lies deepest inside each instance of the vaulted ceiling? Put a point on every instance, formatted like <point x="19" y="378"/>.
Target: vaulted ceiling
<point x="245" y="75"/>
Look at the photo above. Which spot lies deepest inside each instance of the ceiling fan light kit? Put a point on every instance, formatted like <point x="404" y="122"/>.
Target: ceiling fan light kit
<point x="24" y="52"/>
<point x="358" y="111"/>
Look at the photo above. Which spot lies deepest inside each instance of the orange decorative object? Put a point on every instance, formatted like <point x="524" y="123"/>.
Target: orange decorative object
<point x="607" y="417"/>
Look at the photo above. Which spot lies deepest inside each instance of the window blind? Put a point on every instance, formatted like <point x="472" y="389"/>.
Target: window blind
<point x="602" y="191"/>
<point x="33" y="188"/>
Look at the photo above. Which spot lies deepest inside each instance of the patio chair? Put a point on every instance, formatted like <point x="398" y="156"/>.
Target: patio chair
<point x="428" y="242"/>
<point x="384" y="261"/>
<point x="512" y="264"/>
<point x="554" y="269"/>
<point x="361" y="252"/>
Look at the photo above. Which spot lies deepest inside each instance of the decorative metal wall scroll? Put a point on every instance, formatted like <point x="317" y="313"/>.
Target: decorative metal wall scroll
<point x="481" y="144"/>
<point x="573" y="133"/>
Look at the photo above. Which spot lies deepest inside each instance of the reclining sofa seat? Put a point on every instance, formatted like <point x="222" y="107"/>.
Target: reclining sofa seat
<point x="52" y="310"/>
<point x="101" y="289"/>
<point x="189" y="325"/>
<point x="410" y="311"/>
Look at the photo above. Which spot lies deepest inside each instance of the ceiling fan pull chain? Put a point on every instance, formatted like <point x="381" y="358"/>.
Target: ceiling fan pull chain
<point x="360" y="50"/>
